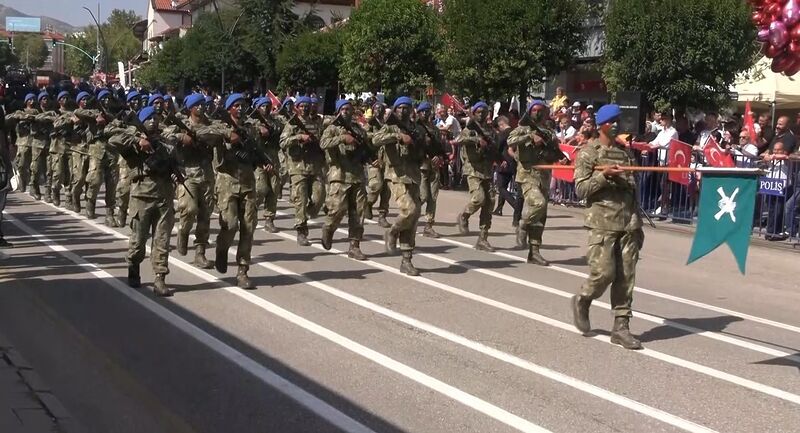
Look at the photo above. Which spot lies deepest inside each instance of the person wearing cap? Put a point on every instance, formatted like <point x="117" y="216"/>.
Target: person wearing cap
<point x="430" y="167"/>
<point x="615" y="227"/>
<point x="377" y="183"/>
<point x="41" y="128"/>
<point x="305" y="161"/>
<point x="404" y="146"/>
<point x="478" y="154"/>
<point x="267" y="133"/>
<point x="345" y="143"/>
<point x="151" y="160"/>
<point x="79" y="160"/>
<point x="21" y="121"/>
<point x="534" y="144"/>
<point x="63" y="137"/>
<point x="235" y="162"/>
<point x="123" y="192"/>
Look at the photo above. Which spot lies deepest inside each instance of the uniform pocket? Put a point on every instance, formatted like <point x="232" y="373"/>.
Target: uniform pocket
<point x="596" y="238"/>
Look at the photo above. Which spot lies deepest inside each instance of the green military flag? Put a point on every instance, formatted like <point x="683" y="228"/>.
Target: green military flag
<point x="725" y="215"/>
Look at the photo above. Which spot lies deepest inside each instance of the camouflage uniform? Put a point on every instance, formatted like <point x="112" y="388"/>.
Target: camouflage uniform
<point x="429" y="186"/>
<point x="268" y="184"/>
<point x="79" y="162"/>
<point x="535" y="185"/>
<point x="22" y="120"/>
<point x="59" y="170"/>
<point x="103" y="164"/>
<point x="346" y="194"/>
<point x="305" y="163"/>
<point x="377" y="184"/>
<point x="41" y="128"/>
<point x="477" y="162"/>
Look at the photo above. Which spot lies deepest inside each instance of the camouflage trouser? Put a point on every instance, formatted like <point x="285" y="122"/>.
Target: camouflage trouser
<point x="80" y="169"/>
<point x="350" y="199"/>
<point x="406" y="196"/>
<point x="480" y="198"/>
<point x="267" y="189"/>
<point x="429" y="193"/>
<point x="103" y="168"/>
<point x="612" y="258"/>
<point x="308" y="196"/>
<point x="38" y="166"/>
<point x="195" y="204"/>
<point x="378" y="188"/>
<point x="59" y="172"/>
<point x="238" y="212"/>
<point x="123" y="192"/>
<point x="534" y="216"/>
<point x="283" y="173"/>
<point x="151" y="216"/>
<point x="23" y="161"/>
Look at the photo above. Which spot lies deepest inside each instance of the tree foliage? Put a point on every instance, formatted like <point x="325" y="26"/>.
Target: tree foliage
<point x="76" y="63"/>
<point x="31" y="49"/>
<point x="266" y="24"/>
<point x="310" y="60"/>
<point x="688" y="60"/>
<point x="389" y="45"/>
<point x="498" y="48"/>
<point x="164" y="68"/>
<point x="118" y="31"/>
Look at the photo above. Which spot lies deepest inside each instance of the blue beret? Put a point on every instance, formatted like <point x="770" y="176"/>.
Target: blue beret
<point x="234" y="98"/>
<point x="303" y="100"/>
<point x="153" y="98"/>
<point x="315" y="100"/>
<point x="607" y="113"/>
<point x="479" y="104"/>
<point x="209" y="99"/>
<point x="262" y="101"/>
<point x="30" y="97"/>
<point x="132" y="94"/>
<point x="536" y="102"/>
<point x="403" y="100"/>
<point x="42" y="95"/>
<point x="146" y="113"/>
<point x="286" y="102"/>
<point x="424" y="106"/>
<point x="193" y="100"/>
<point x="341" y="103"/>
<point x="62" y="94"/>
<point x="103" y="93"/>
<point x="82" y="95"/>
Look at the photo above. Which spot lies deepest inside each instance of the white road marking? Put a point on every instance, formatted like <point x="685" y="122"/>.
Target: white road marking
<point x="265" y="375"/>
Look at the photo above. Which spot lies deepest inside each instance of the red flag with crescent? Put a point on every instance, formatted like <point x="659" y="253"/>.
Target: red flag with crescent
<point x="680" y="155"/>
<point x="748" y="123"/>
<point x="567" y="174"/>
<point x="715" y="157"/>
<point x="449" y="101"/>
<point x="274" y="99"/>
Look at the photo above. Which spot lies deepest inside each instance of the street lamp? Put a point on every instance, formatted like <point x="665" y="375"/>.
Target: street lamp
<point x="99" y="37"/>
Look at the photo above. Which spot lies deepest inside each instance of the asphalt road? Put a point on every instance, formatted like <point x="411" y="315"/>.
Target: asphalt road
<point x="482" y="342"/>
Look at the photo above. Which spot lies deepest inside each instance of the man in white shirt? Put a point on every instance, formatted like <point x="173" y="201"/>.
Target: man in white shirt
<point x="565" y="129"/>
<point x="447" y="122"/>
<point x="711" y="130"/>
<point x="664" y="137"/>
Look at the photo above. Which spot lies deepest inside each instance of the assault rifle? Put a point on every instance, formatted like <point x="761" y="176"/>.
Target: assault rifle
<point x="491" y="145"/>
<point x="152" y="161"/>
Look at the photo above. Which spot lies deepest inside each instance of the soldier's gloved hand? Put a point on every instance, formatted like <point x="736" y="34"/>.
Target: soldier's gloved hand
<point x="305" y="138"/>
<point x="349" y="139"/>
<point x="263" y="131"/>
<point x="436" y="161"/>
<point x="235" y="138"/>
<point x="537" y="139"/>
<point x="405" y="139"/>
<point x="145" y="145"/>
<point x="612" y="171"/>
<point x="376" y="163"/>
<point x="186" y="140"/>
<point x="100" y="120"/>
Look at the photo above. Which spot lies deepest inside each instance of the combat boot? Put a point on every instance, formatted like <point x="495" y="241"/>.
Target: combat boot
<point x="429" y="232"/>
<point x="68" y="201"/>
<point x="269" y="225"/>
<point x="522" y="237"/>
<point x="327" y="237"/>
<point x="621" y="334"/>
<point x="302" y="237"/>
<point x="483" y="242"/>
<point x="368" y="213"/>
<point x="110" y="220"/>
<point x="242" y="280"/>
<point x="122" y="219"/>
<point x="390" y="240"/>
<point x="535" y="257"/>
<point x="463" y="223"/>
<point x="48" y="195"/>
<point x="56" y="198"/>
<point x="160" y="287"/>
<point x="580" y="313"/>
<point x="35" y="192"/>
<point x="3" y="242"/>
<point x="221" y="262"/>
<point x="89" y="211"/>
<point x="355" y="251"/>
<point x="406" y="267"/>
<point x="183" y="243"/>
<point x="382" y="222"/>
<point x="200" y="257"/>
<point x="134" y="279"/>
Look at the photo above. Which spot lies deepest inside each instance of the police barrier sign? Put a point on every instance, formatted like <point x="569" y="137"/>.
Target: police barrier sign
<point x="771" y="186"/>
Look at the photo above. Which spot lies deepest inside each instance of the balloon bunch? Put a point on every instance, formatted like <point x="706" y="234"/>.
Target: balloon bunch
<point x="778" y="23"/>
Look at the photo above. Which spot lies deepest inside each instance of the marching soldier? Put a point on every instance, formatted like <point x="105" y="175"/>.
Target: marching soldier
<point x="615" y="227"/>
<point x="151" y="161"/>
<point x="430" y="168"/>
<point x="345" y="144"/>
<point x="404" y="147"/>
<point x="103" y="160"/>
<point x="268" y="178"/>
<point x="285" y="111"/>
<point x="41" y="128"/>
<point x="63" y="137"/>
<point x="123" y="193"/>
<point x="377" y="184"/>
<point x="80" y="157"/>
<point x="305" y="160"/>
<point x="534" y="144"/>
<point x="479" y="152"/>
<point x="21" y="120"/>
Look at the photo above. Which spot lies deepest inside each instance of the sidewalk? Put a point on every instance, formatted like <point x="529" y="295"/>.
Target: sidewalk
<point x="26" y="403"/>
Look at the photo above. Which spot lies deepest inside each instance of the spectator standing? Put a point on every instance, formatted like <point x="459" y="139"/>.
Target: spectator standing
<point x="784" y="135"/>
<point x="711" y="129"/>
<point x="796" y="127"/>
<point x="776" y="164"/>
<point x="575" y="114"/>
<point x="765" y="132"/>
<point x="565" y="129"/>
<point x="506" y="171"/>
<point x="559" y="101"/>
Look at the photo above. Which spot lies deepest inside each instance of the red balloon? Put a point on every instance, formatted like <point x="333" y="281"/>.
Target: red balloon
<point x="794" y="32"/>
<point x="774" y="9"/>
<point x="781" y="63"/>
<point x="794" y="68"/>
<point x="772" y="51"/>
<point x="794" y="48"/>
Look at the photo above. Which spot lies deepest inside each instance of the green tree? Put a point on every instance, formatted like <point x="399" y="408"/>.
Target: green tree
<point x="310" y="60"/>
<point x="7" y="58"/>
<point x="500" y="48"/>
<point x="265" y="25"/>
<point x="118" y="31"/>
<point x="31" y="49"/>
<point x="76" y="63"/>
<point x="164" y="68"/>
<point x="688" y="60"/>
<point x="389" y="45"/>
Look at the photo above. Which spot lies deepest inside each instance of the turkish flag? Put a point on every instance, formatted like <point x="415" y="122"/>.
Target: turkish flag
<point x="714" y="155"/>
<point x="275" y="101"/>
<point x="748" y="123"/>
<point x="680" y="155"/>
<point x="567" y="174"/>
<point x="449" y="101"/>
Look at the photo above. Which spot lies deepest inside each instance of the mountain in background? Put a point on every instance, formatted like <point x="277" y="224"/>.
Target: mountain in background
<point x="58" y="26"/>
